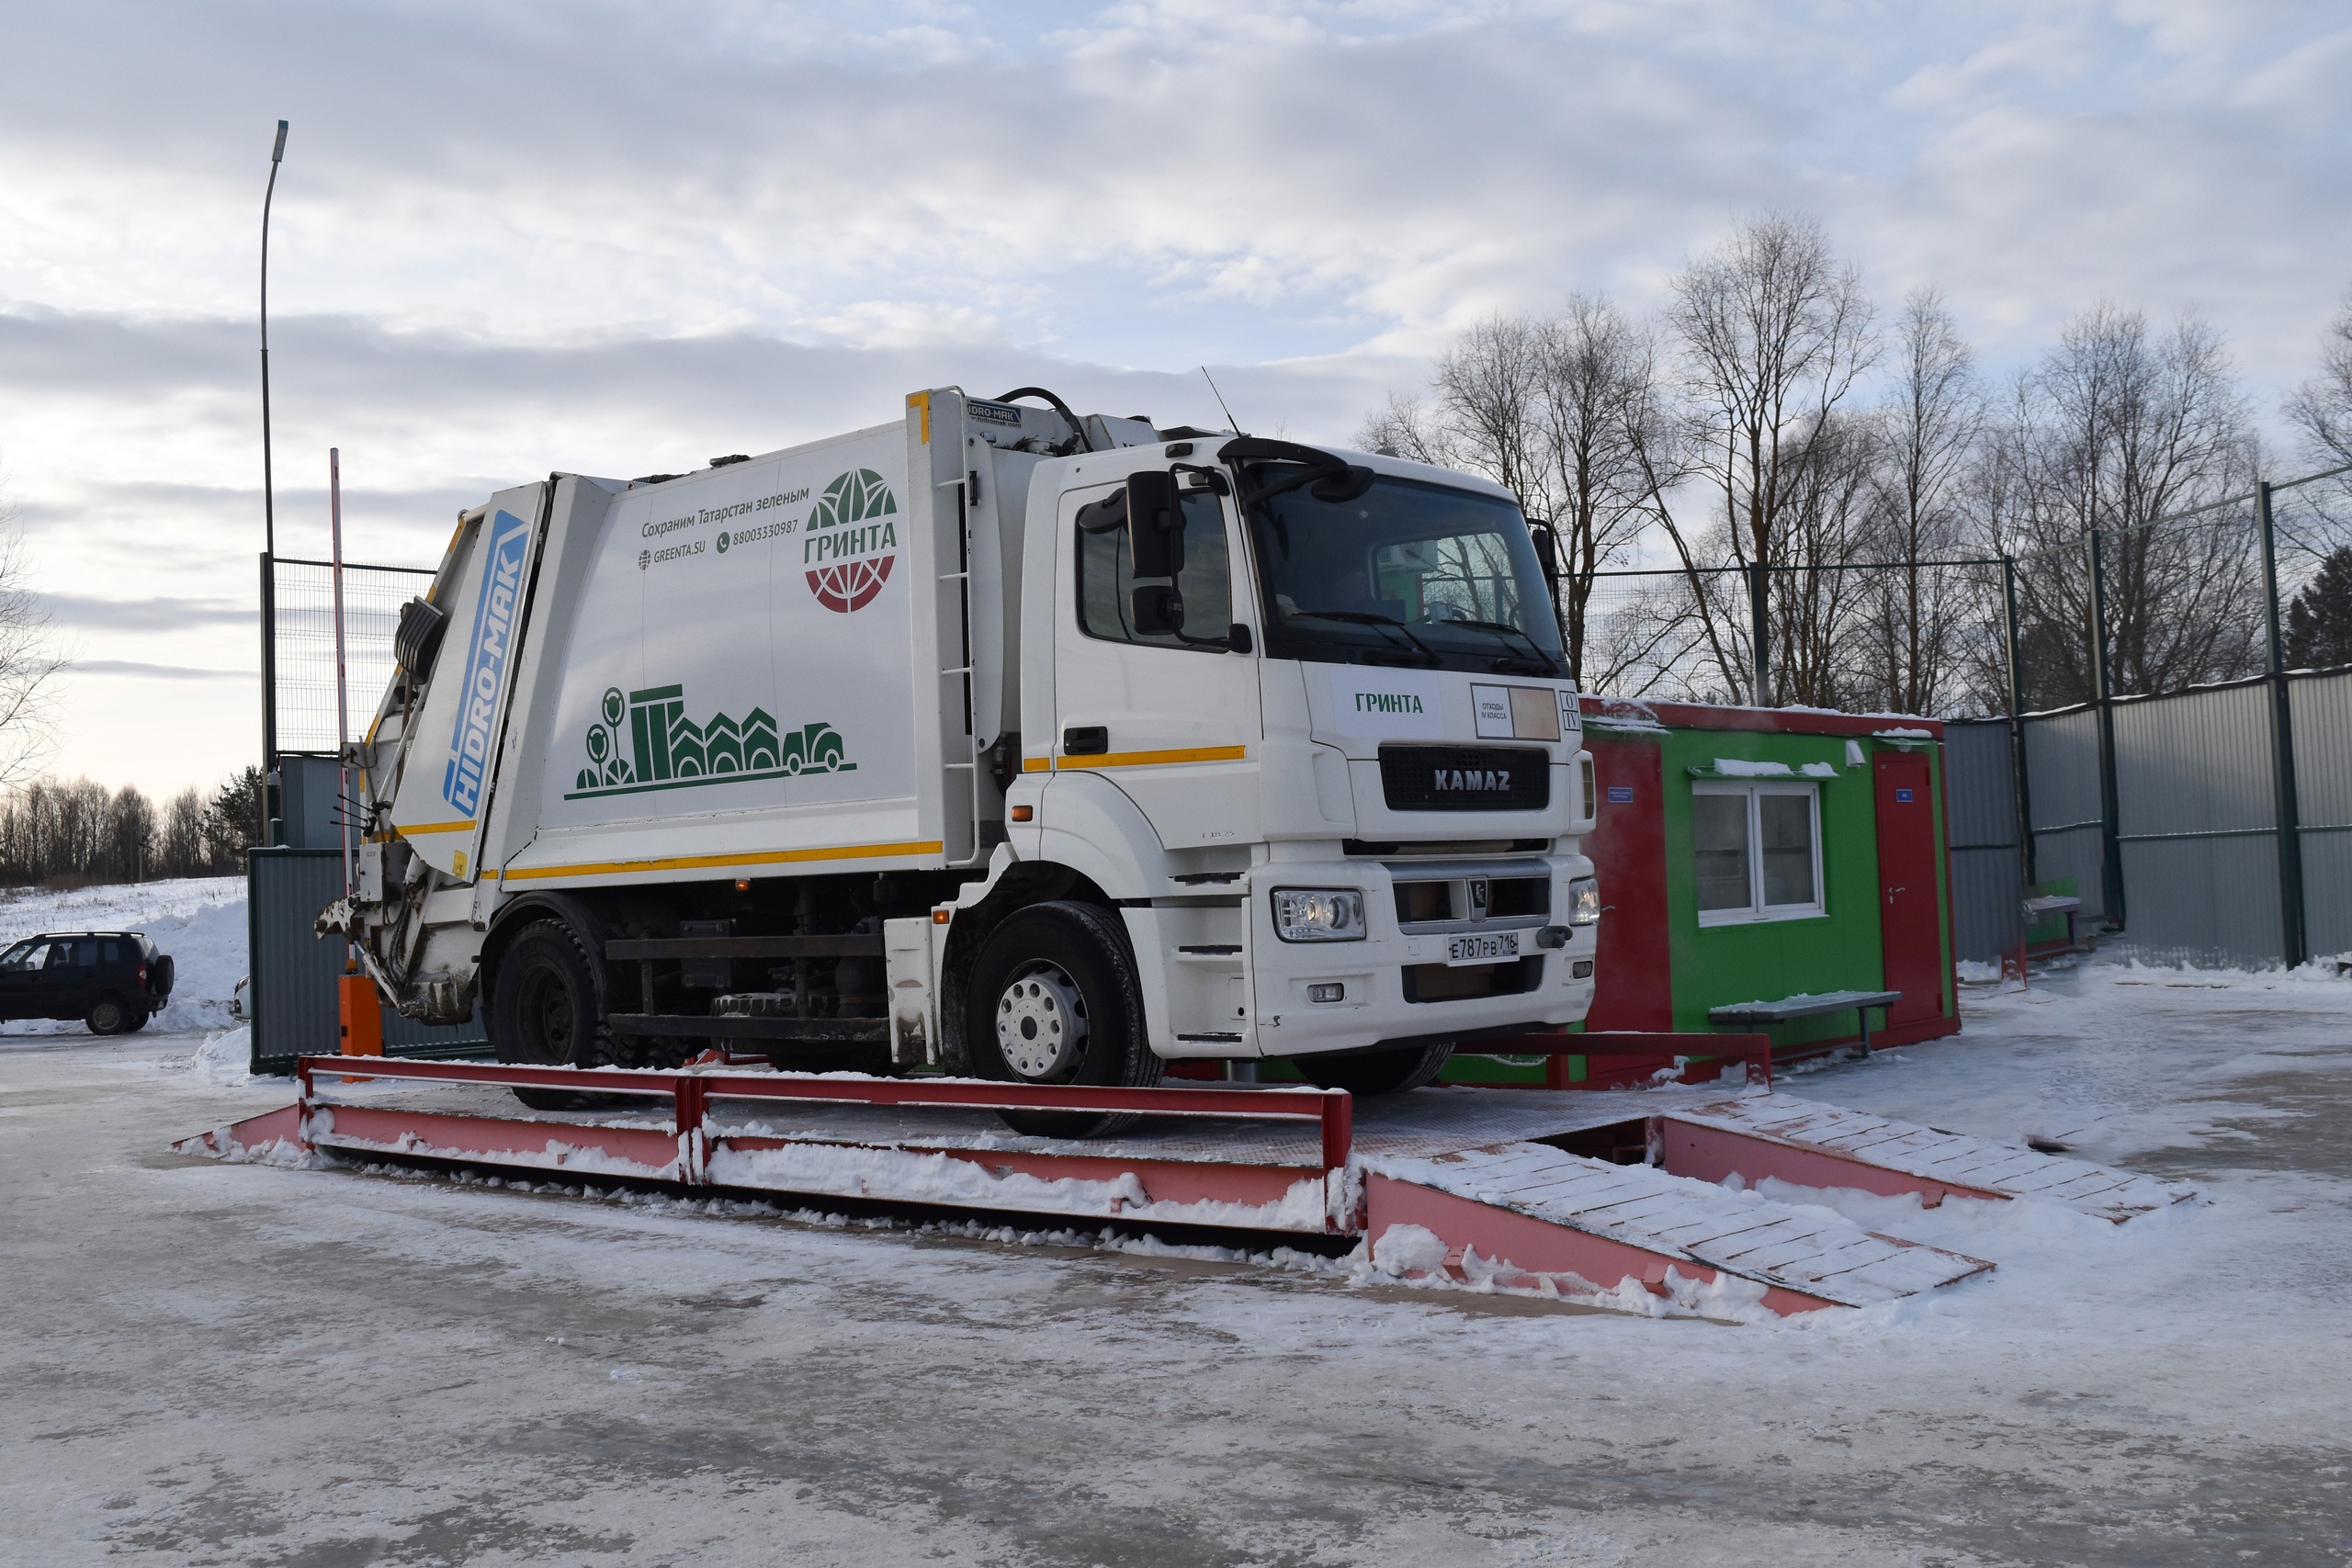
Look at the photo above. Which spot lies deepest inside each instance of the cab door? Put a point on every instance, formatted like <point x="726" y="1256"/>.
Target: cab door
<point x="20" y="979"/>
<point x="1170" y="717"/>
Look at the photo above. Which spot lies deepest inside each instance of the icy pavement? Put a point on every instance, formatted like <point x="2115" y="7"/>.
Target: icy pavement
<point x="212" y="1363"/>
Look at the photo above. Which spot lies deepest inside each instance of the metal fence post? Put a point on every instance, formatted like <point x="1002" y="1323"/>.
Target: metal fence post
<point x="2110" y="869"/>
<point x="2293" y="938"/>
<point x="2023" y="788"/>
<point x="272" y="806"/>
<point x="1760" y="617"/>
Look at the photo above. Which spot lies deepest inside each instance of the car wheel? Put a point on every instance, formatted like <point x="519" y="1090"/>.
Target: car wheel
<point x="1376" y="1072"/>
<point x="546" y="1010"/>
<point x="109" y="1015"/>
<point x="1054" y="1000"/>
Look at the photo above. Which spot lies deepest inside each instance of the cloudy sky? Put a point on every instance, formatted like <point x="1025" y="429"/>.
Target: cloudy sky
<point x="625" y="237"/>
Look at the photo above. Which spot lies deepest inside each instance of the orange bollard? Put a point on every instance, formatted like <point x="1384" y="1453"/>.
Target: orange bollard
<point x="361" y="1014"/>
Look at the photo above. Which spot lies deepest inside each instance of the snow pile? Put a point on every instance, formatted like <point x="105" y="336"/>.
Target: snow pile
<point x="199" y="920"/>
<point x="225" y="1057"/>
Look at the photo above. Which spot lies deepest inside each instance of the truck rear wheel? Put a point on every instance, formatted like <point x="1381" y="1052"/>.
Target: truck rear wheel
<point x="544" y="1012"/>
<point x="1376" y="1072"/>
<point x="1054" y="1000"/>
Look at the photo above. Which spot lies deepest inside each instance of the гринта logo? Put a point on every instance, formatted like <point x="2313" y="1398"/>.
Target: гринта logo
<point x="849" y="541"/>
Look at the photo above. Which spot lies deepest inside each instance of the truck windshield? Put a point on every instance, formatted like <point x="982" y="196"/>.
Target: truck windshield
<point x="1406" y="573"/>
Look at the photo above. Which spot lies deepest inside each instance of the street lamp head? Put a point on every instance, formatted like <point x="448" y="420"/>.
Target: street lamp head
<point x="277" y="153"/>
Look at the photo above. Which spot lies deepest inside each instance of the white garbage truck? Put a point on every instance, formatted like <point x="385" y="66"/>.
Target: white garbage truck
<point x="1029" y="745"/>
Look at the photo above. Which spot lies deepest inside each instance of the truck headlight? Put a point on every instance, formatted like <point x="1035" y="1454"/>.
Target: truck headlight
<point x="1318" y="914"/>
<point x="1584" y="901"/>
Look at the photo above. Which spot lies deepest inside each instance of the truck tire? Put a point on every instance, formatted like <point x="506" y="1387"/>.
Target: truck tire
<point x="545" y="1013"/>
<point x="1054" y="1000"/>
<point x="109" y="1015"/>
<point x="1376" y="1072"/>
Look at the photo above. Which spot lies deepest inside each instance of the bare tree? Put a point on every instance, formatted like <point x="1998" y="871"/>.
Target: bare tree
<point x="2321" y="407"/>
<point x="1774" y="333"/>
<point x="2118" y="429"/>
<point x="179" y="837"/>
<point x="1611" y="441"/>
<point x="29" y="662"/>
<point x="1929" y="431"/>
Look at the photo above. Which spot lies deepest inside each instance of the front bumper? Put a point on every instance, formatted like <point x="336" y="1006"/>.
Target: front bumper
<point x="1395" y="985"/>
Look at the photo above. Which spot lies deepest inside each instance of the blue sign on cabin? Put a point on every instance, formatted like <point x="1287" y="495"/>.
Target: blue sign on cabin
<point x="1902" y="798"/>
<point x="1621" y="794"/>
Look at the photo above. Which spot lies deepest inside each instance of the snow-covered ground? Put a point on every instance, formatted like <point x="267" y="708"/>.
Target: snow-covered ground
<point x="216" y="1364"/>
<point x="199" y="920"/>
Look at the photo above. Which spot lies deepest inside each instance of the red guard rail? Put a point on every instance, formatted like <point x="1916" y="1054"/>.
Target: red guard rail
<point x="1331" y="1109"/>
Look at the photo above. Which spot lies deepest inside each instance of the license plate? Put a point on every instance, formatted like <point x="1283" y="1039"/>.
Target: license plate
<point x="1481" y="948"/>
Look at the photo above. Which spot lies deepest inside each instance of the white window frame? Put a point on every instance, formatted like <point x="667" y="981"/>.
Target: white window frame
<point x="1755" y="911"/>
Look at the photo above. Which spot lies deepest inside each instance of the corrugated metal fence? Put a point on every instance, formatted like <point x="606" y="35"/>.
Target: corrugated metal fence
<point x="2193" y="838"/>
<point x="291" y="995"/>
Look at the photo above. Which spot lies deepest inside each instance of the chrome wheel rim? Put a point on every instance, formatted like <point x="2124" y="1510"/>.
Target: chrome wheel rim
<point x="1040" y="1023"/>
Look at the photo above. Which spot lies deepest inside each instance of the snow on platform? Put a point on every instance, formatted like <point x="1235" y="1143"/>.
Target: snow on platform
<point x="1824" y="1145"/>
<point x="1806" y="1256"/>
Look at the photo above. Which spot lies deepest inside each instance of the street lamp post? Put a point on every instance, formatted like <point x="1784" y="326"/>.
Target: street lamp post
<point x="270" y="808"/>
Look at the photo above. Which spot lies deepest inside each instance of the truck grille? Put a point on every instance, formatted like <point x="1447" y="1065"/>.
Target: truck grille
<point x="1465" y="778"/>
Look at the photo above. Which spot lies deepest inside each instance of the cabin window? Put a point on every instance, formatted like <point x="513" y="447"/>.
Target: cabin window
<point x="1755" y="852"/>
<point x="1107" y="582"/>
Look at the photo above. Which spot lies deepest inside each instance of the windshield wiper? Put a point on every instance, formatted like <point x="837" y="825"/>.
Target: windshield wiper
<point x="1373" y="618"/>
<point x="1551" y="665"/>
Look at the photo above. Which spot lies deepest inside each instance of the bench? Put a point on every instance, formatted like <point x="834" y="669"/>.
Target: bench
<point x="1753" y="1014"/>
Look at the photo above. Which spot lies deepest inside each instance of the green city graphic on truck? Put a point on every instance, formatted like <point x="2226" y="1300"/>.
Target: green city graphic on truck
<point x="851" y="539"/>
<point x="665" y="750"/>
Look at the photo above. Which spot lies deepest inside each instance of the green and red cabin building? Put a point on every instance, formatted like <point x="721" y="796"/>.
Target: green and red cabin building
<point x="1756" y="855"/>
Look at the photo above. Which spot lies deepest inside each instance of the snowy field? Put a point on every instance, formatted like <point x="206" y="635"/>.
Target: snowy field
<point x="231" y="1364"/>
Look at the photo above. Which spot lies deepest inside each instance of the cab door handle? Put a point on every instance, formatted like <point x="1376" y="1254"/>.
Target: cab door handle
<point x="1086" y="741"/>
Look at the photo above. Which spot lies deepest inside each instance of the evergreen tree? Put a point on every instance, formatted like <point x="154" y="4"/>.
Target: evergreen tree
<point x="2319" y="619"/>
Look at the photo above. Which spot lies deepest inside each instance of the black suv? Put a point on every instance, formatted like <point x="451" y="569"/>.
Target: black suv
<point x="113" y="981"/>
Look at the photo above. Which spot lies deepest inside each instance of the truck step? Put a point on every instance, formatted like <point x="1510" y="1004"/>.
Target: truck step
<point x="1529" y="1212"/>
<point x="1812" y="1145"/>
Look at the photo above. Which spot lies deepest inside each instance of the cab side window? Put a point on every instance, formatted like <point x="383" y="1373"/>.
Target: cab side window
<point x="1107" y="582"/>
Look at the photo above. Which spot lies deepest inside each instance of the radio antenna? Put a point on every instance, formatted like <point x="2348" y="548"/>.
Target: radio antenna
<point x="1232" y="423"/>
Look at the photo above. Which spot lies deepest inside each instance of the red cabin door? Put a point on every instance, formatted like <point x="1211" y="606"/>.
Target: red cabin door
<point x="1634" y="973"/>
<point x="1910" y="927"/>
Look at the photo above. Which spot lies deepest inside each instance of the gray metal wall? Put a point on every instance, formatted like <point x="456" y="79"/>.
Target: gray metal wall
<point x="310" y="793"/>
<point x="2197" y="820"/>
<point x="2061" y="785"/>
<point x="2323" y="709"/>
<point x="1987" y="872"/>
<point x="291" y="998"/>
<point x="2196" y="826"/>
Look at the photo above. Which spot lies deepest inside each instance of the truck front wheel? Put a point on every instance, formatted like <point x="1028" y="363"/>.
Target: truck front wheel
<point x="544" y="1011"/>
<point x="1054" y="1000"/>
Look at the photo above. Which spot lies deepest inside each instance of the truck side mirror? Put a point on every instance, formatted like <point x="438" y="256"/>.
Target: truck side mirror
<point x="1157" y="610"/>
<point x="1155" y="525"/>
<point x="1547" y="547"/>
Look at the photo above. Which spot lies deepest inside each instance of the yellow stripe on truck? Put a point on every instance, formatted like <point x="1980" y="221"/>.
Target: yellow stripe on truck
<point x="1157" y="759"/>
<point x="922" y="401"/>
<point x="720" y="862"/>
<point x="410" y="832"/>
